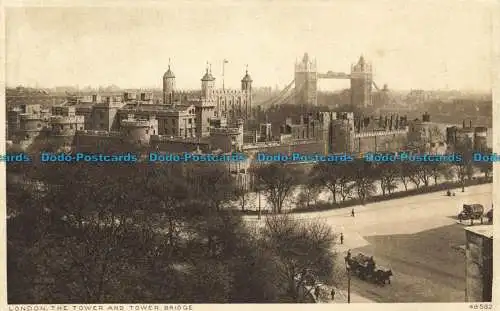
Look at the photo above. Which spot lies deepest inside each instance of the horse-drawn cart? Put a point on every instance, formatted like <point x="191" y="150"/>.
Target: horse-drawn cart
<point x="364" y="267"/>
<point x="471" y="212"/>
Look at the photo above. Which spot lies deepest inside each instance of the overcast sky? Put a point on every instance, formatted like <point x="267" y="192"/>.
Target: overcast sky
<point x="410" y="45"/>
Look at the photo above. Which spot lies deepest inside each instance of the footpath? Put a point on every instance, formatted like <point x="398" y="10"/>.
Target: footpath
<point x="340" y="295"/>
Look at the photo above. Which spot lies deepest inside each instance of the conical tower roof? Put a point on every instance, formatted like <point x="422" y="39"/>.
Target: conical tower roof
<point x="247" y="77"/>
<point x="208" y="75"/>
<point x="169" y="74"/>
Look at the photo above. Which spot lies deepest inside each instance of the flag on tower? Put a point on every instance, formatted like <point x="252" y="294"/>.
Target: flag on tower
<point x="226" y="61"/>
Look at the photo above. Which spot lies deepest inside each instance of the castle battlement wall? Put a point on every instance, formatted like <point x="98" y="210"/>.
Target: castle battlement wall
<point x="117" y="104"/>
<point x="380" y="133"/>
<point x="234" y="92"/>
<point x="67" y="119"/>
<point x="98" y="133"/>
<point x="187" y="92"/>
<point x="136" y="123"/>
<point x="225" y="131"/>
<point x="29" y="117"/>
<point x="167" y="138"/>
<point x="306" y="147"/>
<point x="265" y="145"/>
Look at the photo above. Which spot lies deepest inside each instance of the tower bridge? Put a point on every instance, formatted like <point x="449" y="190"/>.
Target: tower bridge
<point x="303" y="88"/>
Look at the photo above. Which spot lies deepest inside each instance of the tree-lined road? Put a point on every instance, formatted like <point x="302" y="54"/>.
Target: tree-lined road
<point x="418" y="237"/>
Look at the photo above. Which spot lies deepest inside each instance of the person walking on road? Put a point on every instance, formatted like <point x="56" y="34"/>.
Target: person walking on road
<point x="348" y="257"/>
<point x="341" y="238"/>
<point x="332" y="293"/>
<point x="316" y="292"/>
<point x="352" y="212"/>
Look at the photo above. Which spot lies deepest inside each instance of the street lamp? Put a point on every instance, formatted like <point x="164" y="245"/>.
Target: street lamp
<point x="259" y="203"/>
<point x="256" y="185"/>
<point x="348" y="269"/>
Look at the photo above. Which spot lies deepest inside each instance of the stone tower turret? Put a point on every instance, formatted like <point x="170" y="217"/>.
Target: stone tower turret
<point x="306" y="81"/>
<point x="361" y="84"/>
<point x="207" y="84"/>
<point x="246" y="82"/>
<point x="246" y="87"/>
<point x="168" y="86"/>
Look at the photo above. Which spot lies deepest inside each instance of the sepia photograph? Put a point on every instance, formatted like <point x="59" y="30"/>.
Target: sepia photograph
<point x="329" y="152"/>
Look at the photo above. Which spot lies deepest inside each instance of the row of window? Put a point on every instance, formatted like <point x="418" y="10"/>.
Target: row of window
<point x="61" y="127"/>
<point x="189" y="121"/>
<point x="189" y="132"/>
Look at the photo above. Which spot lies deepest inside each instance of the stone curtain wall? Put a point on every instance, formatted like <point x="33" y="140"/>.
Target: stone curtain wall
<point x="479" y="267"/>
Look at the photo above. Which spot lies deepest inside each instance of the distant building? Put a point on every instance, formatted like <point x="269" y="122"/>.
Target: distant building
<point x="306" y="81"/>
<point x="361" y="84"/>
<point x="212" y="102"/>
<point x="468" y="136"/>
<point x="479" y="263"/>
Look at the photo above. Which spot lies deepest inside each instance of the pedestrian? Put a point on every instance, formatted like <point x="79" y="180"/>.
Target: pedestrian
<point x="304" y="272"/>
<point x="348" y="256"/>
<point x="333" y="293"/>
<point x="341" y="238"/>
<point x="352" y="212"/>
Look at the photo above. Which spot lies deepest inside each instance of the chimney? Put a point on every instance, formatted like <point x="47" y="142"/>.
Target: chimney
<point x="470" y="123"/>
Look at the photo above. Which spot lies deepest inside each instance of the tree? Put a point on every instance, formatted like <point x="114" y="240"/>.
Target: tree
<point x="485" y="167"/>
<point x="346" y="184"/>
<point x="298" y="247"/>
<point x="277" y="181"/>
<point x="245" y="199"/>
<point x="423" y="172"/>
<point x="309" y="192"/>
<point x="328" y="175"/>
<point x="464" y="168"/>
<point x="404" y="173"/>
<point x="388" y="174"/>
<point x="213" y="183"/>
<point x="439" y="169"/>
<point x="363" y="175"/>
<point x="85" y="218"/>
<point x="107" y="233"/>
<point x="413" y="172"/>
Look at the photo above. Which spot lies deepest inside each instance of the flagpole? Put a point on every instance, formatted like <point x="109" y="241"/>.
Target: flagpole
<point x="223" y="65"/>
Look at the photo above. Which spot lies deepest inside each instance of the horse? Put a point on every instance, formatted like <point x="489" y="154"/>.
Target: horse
<point x="381" y="276"/>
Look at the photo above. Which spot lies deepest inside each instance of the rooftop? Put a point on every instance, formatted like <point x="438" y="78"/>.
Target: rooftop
<point x="482" y="230"/>
<point x="176" y="108"/>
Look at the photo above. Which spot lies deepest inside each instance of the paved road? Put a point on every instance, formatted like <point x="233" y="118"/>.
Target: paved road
<point x="405" y="216"/>
<point x="400" y="216"/>
<point x="341" y="296"/>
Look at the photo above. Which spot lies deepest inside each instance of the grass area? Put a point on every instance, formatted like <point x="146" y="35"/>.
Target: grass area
<point x="428" y="266"/>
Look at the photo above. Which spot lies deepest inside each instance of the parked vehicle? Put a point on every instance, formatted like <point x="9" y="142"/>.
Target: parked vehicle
<point x="364" y="267"/>
<point x="471" y="212"/>
<point x="489" y="215"/>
